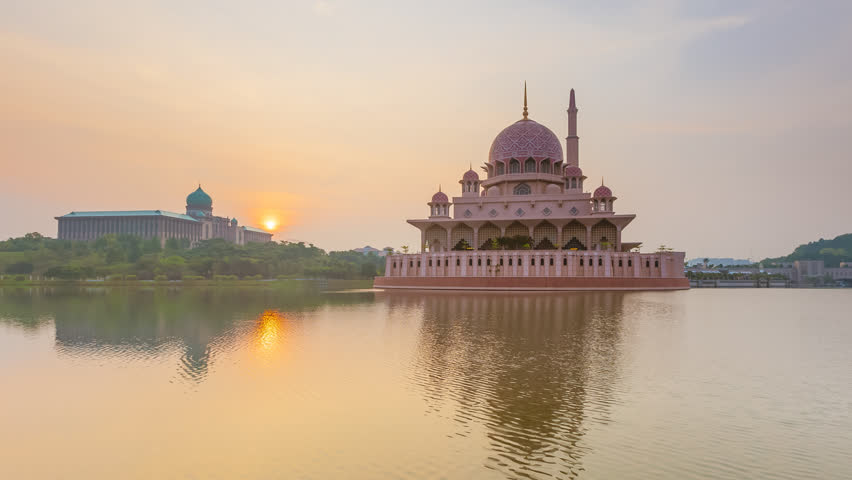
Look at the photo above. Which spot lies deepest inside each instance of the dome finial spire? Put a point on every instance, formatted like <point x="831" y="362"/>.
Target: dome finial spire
<point x="525" y="100"/>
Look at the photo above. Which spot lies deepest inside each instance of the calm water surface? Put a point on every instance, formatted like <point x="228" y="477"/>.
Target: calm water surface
<point x="265" y="384"/>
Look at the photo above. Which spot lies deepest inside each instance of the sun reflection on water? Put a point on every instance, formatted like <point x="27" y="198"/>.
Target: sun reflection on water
<point x="269" y="332"/>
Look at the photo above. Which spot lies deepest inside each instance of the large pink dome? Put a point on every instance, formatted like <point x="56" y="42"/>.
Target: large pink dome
<point x="524" y="139"/>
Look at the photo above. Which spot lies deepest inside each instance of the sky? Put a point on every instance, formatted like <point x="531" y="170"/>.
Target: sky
<point x="724" y="126"/>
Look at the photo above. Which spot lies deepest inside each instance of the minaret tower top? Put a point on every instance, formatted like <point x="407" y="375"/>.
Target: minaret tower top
<point x="572" y="141"/>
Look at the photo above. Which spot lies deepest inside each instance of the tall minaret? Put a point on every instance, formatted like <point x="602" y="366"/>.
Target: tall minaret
<point x="572" y="141"/>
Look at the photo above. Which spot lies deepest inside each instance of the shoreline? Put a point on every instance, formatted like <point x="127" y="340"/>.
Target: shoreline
<point x="330" y="284"/>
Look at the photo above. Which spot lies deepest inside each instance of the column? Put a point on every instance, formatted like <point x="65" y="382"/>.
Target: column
<point x="422" y="240"/>
<point x="559" y="240"/>
<point x="475" y="238"/>
<point x="588" y="237"/>
<point x="607" y="264"/>
<point x="618" y="238"/>
<point x="449" y="239"/>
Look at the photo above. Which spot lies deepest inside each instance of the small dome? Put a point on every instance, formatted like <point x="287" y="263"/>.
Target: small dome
<point x="234" y="222"/>
<point x="471" y="176"/>
<point x="603" y="192"/>
<point x="440" y="197"/>
<point x="199" y="198"/>
<point x="573" y="171"/>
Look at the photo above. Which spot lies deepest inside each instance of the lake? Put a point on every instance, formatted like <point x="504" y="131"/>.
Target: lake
<point x="266" y="383"/>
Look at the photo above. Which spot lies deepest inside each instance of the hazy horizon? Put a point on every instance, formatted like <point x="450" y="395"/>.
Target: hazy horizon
<point x="723" y="126"/>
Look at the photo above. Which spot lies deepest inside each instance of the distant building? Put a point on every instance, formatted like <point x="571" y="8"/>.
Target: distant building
<point x="197" y="224"/>
<point x="800" y="271"/>
<point x="817" y="269"/>
<point x="719" y="261"/>
<point x="368" y="250"/>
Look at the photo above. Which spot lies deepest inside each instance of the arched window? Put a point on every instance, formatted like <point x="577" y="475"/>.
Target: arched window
<point x="545" y="166"/>
<point x="529" y="166"/>
<point x="514" y="166"/>
<point x="501" y="168"/>
<point x="522" y="189"/>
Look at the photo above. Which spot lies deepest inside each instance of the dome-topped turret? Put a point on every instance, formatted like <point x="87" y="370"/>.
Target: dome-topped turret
<point x="524" y="139"/>
<point x="199" y="198"/>
<point x="573" y="171"/>
<point x="603" y="192"/>
<point x="233" y="222"/>
<point x="470" y="176"/>
<point x="440" y="197"/>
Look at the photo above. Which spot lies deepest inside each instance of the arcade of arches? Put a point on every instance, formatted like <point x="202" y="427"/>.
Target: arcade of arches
<point x="598" y="234"/>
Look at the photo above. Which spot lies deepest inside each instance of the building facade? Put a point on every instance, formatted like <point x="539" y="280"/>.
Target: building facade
<point x="530" y="224"/>
<point x="198" y="223"/>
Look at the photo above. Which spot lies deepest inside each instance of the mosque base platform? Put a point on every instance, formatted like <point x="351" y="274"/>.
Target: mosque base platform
<point x="531" y="283"/>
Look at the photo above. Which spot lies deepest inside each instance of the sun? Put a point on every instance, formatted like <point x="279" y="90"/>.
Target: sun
<point x="270" y="224"/>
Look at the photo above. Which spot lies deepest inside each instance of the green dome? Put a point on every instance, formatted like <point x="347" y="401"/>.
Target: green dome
<point x="199" y="198"/>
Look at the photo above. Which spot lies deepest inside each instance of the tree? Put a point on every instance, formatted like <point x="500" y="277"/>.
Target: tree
<point x="151" y="245"/>
<point x="172" y="267"/>
<point x="172" y="244"/>
<point x="20" y="268"/>
<point x="404" y="249"/>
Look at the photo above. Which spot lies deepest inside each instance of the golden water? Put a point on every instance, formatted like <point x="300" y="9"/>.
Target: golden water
<point x="265" y="384"/>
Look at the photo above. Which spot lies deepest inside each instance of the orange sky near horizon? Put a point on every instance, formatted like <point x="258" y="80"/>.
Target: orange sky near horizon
<point x="338" y="120"/>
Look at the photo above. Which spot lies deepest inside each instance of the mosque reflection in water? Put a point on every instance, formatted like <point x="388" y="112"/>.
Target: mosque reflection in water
<point x="531" y="369"/>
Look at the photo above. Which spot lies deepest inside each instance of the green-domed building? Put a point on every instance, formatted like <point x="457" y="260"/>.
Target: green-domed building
<point x="197" y="224"/>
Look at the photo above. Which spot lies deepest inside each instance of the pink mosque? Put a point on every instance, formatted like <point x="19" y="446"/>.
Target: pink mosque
<point x="530" y="225"/>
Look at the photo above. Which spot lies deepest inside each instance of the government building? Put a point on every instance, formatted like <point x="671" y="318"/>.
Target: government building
<point x="197" y="224"/>
<point x="530" y="224"/>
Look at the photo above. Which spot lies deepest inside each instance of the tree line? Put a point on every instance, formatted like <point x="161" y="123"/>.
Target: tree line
<point x="130" y="256"/>
<point x="832" y="252"/>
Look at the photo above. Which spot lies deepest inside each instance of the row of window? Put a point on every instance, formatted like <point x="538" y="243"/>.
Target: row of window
<point x="532" y="262"/>
<point x="529" y="166"/>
